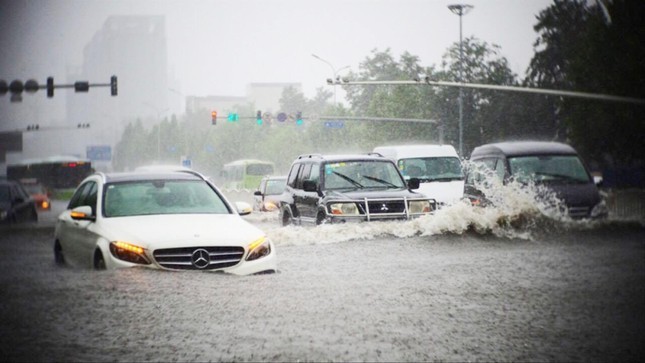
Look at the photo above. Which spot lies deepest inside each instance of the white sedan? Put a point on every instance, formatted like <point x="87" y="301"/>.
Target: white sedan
<point x="169" y="220"/>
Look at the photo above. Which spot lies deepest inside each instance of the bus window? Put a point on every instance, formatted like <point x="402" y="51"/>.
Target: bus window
<point x="246" y="174"/>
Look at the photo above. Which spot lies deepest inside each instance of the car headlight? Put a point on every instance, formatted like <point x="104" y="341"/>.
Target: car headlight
<point x="258" y="249"/>
<point x="270" y="206"/>
<point x="419" y="206"/>
<point x="343" y="209"/>
<point x="600" y="210"/>
<point x="128" y="252"/>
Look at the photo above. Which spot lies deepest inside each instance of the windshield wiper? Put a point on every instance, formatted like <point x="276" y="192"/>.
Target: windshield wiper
<point x="356" y="184"/>
<point x="380" y="181"/>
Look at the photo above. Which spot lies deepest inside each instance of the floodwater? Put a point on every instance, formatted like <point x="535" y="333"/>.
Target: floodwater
<point x="512" y="283"/>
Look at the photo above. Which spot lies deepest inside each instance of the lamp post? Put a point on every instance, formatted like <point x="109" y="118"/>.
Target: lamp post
<point x="333" y="70"/>
<point x="461" y="9"/>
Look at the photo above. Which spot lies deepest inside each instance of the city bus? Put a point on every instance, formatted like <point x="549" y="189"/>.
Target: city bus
<point x="245" y="173"/>
<point x="59" y="172"/>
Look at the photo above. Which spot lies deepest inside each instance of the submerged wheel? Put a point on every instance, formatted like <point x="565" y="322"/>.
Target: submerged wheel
<point x="286" y="217"/>
<point x="99" y="261"/>
<point x="321" y="218"/>
<point x="59" y="259"/>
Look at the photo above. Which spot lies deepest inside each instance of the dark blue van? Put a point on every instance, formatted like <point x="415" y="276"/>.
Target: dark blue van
<point x="552" y="164"/>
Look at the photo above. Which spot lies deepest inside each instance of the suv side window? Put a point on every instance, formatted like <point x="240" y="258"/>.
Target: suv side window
<point x="293" y="174"/>
<point x="305" y="170"/>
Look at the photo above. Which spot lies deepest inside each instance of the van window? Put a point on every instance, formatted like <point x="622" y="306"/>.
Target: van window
<point x="549" y="168"/>
<point x="435" y="168"/>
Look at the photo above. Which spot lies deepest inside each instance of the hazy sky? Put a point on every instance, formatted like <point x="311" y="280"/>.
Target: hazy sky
<point x="217" y="47"/>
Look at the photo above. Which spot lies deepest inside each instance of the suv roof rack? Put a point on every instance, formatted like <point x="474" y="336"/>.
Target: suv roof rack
<point x="375" y="154"/>
<point x="310" y="156"/>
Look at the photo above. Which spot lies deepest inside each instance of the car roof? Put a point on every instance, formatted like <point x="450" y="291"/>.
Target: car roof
<point x="151" y="175"/>
<point x="519" y="148"/>
<point x="342" y="157"/>
<point x="419" y="150"/>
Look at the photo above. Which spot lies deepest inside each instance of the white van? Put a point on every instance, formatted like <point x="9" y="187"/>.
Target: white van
<point x="437" y="167"/>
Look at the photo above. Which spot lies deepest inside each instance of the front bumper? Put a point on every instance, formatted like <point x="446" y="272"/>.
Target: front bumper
<point x="375" y="209"/>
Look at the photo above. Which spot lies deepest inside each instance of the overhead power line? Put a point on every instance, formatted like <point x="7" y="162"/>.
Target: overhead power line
<point x="597" y="96"/>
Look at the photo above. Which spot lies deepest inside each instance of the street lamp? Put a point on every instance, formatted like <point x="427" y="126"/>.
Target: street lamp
<point x="334" y="71"/>
<point x="461" y="9"/>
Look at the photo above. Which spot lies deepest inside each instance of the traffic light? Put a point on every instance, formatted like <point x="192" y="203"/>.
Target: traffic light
<point x="232" y="117"/>
<point x="214" y="117"/>
<point x="258" y="117"/>
<point x="113" y="86"/>
<point x="50" y="87"/>
<point x="298" y="118"/>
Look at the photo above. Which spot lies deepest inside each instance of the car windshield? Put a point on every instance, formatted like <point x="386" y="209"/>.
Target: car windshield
<point x="431" y="169"/>
<point x="275" y="186"/>
<point x="161" y="197"/>
<point x="548" y="168"/>
<point x="362" y="174"/>
<point x="33" y="189"/>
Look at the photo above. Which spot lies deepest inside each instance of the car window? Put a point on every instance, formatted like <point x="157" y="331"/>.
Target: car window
<point x="161" y="197"/>
<point x="549" y="168"/>
<point x="431" y="168"/>
<point x="275" y="186"/>
<point x="480" y="169"/>
<point x="361" y="174"/>
<point x="79" y="196"/>
<point x="303" y="175"/>
<point x="293" y="174"/>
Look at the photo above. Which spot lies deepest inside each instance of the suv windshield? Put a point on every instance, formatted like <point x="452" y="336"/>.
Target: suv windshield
<point x="361" y="174"/>
<point x="430" y="169"/>
<point x="548" y="168"/>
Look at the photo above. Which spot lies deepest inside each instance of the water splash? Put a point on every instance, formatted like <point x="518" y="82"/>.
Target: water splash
<point x="516" y="211"/>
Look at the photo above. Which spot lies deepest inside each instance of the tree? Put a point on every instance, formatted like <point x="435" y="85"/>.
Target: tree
<point x="595" y="47"/>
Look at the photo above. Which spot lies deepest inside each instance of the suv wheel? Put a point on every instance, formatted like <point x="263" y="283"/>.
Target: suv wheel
<point x="321" y="218"/>
<point x="286" y="217"/>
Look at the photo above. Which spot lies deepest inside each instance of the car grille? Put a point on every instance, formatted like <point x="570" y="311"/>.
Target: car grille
<point x="182" y="258"/>
<point x="578" y="212"/>
<point x="386" y="207"/>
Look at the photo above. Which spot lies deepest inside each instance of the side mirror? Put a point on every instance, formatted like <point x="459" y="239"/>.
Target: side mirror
<point x="414" y="183"/>
<point x="83" y="213"/>
<point x="597" y="179"/>
<point x="258" y="193"/>
<point x="243" y="208"/>
<point x="309" y="186"/>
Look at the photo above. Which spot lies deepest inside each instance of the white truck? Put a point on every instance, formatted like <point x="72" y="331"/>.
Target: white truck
<point x="436" y="166"/>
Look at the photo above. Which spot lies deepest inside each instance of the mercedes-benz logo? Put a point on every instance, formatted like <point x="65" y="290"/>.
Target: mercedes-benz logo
<point x="384" y="208"/>
<point x="200" y="258"/>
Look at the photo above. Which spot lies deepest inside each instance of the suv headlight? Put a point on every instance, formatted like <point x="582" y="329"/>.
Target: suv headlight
<point x="128" y="252"/>
<point x="419" y="206"/>
<point x="599" y="210"/>
<point x="258" y="249"/>
<point x="343" y="209"/>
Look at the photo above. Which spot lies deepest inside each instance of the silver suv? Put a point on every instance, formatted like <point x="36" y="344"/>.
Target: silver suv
<point x="340" y="188"/>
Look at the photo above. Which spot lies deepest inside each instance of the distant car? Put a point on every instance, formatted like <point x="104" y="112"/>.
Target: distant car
<point x="16" y="206"/>
<point x="437" y="167"/>
<point x="342" y="188"/>
<point x="166" y="220"/>
<point x="266" y="198"/>
<point x="554" y="165"/>
<point x="38" y="193"/>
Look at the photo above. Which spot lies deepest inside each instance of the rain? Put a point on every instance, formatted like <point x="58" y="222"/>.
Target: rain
<point x="207" y="85"/>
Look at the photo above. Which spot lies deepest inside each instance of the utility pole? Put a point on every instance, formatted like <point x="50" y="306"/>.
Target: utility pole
<point x="461" y="9"/>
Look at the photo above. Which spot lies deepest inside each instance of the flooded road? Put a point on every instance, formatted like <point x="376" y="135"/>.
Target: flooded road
<point x="440" y="289"/>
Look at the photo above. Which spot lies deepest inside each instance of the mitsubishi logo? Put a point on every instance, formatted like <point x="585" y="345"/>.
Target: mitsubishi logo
<point x="200" y="258"/>
<point x="384" y="208"/>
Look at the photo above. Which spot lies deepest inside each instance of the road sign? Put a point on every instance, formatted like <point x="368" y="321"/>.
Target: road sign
<point x="282" y="117"/>
<point x="334" y="124"/>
